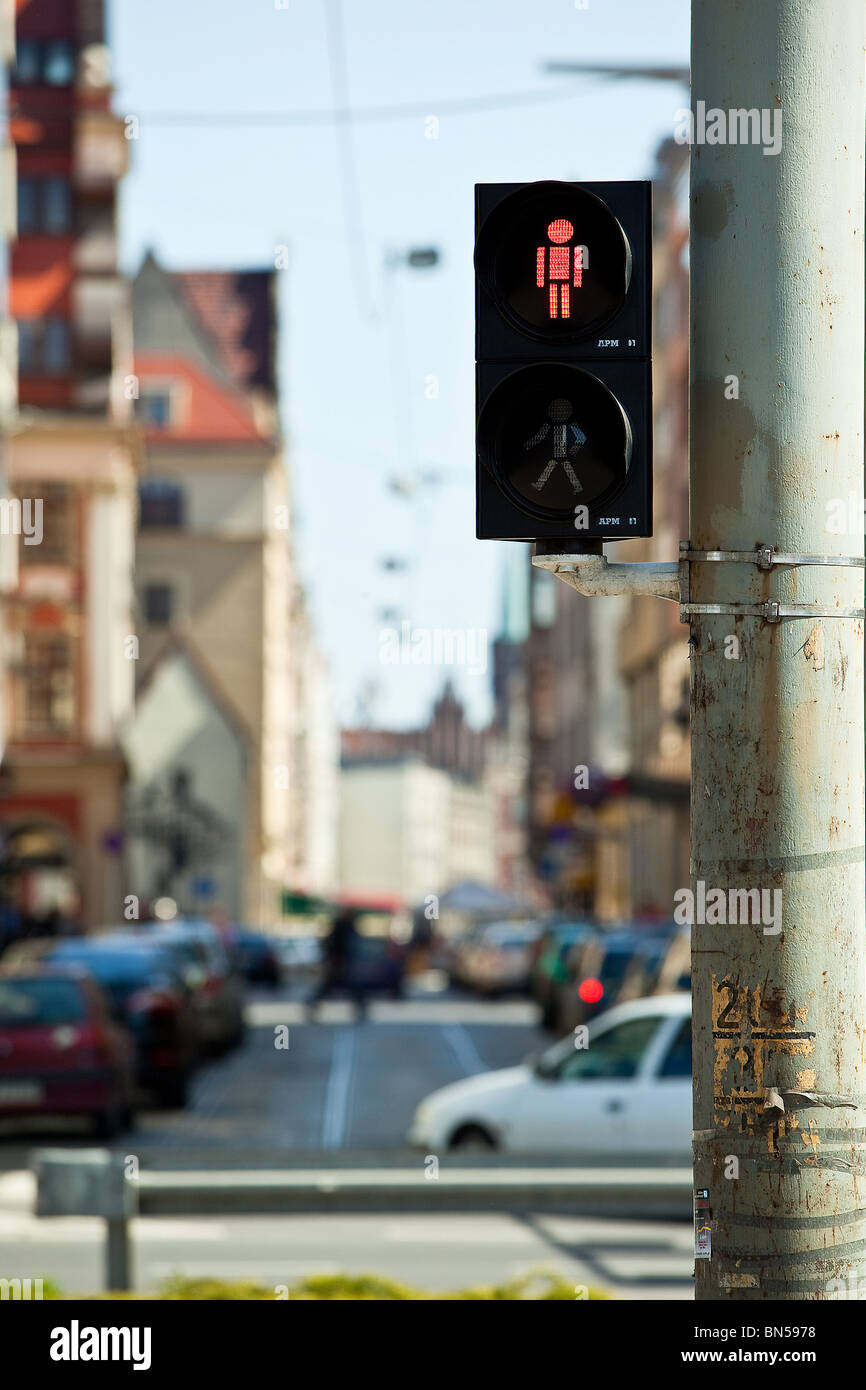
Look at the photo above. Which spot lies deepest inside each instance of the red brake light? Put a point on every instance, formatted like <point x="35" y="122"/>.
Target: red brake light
<point x="151" y="1001"/>
<point x="591" y="991"/>
<point x="94" y="1043"/>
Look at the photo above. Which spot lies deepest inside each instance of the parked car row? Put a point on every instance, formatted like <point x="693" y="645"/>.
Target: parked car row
<point x="88" y="1023"/>
<point x="581" y="969"/>
<point x="494" y="958"/>
<point x="572" y="967"/>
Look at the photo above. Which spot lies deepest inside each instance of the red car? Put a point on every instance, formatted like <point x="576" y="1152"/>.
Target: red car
<point x="60" y="1051"/>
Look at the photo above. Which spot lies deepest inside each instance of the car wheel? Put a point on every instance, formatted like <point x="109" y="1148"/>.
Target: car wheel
<point x="173" y="1094"/>
<point x="548" y="1017"/>
<point x="472" y="1139"/>
<point x="108" y="1123"/>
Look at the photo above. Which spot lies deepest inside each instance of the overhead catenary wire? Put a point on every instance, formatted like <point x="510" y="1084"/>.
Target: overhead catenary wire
<point x="345" y="114"/>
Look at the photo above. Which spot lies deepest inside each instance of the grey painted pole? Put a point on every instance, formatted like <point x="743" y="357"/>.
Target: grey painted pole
<point x="118" y="1263"/>
<point x="776" y="402"/>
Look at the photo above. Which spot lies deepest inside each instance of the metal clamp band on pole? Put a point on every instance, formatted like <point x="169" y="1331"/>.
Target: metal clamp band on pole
<point x="765" y="557"/>
<point x="772" y="611"/>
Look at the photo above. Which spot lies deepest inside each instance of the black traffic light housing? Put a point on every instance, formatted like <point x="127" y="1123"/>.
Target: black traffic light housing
<point x="563" y="348"/>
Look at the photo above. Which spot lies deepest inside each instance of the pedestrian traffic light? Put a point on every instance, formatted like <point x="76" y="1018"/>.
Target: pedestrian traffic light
<point x="563" y="370"/>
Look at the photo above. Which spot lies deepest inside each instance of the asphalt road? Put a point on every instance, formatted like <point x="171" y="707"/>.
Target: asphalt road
<point x="342" y="1092"/>
<point x="340" y="1085"/>
<point x="631" y="1260"/>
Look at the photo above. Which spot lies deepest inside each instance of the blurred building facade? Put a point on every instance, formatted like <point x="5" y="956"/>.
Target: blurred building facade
<point x="314" y="803"/>
<point x="229" y="778"/>
<point x="446" y="741"/>
<point x="508" y="738"/>
<point x="652" y="642"/>
<point x="409" y="831"/>
<point x="418" y="807"/>
<point x="71" y="456"/>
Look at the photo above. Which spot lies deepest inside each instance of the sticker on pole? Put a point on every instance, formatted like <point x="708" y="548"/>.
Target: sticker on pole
<point x="703" y="1234"/>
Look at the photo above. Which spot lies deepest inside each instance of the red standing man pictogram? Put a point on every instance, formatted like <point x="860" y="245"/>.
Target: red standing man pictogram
<point x="554" y="266"/>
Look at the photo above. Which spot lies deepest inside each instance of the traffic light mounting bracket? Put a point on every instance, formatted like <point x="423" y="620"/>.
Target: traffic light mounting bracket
<point x="585" y="568"/>
<point x="592" y="574"/>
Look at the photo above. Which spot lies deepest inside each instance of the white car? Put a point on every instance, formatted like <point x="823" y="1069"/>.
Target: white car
<point x="628" y="1092"/>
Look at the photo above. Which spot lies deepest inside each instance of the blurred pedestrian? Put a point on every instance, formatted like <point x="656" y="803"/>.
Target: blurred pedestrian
<point x="339" y="954"/>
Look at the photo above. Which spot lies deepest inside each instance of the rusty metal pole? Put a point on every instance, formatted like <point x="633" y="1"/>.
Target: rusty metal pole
<point x="776" y="402"/>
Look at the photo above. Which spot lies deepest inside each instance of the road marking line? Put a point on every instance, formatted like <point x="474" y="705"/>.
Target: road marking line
<point x="336" y="1112"/>
<point x="251" y="1269"/>
<point x="501" y="1013"/>
<point x="463" y="1048"/>
<point x="473" y="1231"/>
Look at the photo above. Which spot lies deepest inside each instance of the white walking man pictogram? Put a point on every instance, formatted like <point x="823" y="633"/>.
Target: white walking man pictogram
<point x="559" y="414"/>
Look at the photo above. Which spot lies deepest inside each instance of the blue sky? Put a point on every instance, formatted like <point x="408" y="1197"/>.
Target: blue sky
<point x="362" y="344"/>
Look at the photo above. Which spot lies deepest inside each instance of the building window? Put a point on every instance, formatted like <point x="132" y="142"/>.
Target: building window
<point x="160" y="504"/>
<point x="57" y="546"/>
<point x="55" y="345"/>
<point x="43" y="345"/>
<point x="28" y="206"/>
<point x="51" y="63"/>
<point x="48" y="686"/>
<point x="28" y="62"/>
<point x="58" y="64"/>
<point x="44" y="205"/>
<point x="155" y="407"/>
<point x="158" y="604"/>
<point x="55" y="205"/>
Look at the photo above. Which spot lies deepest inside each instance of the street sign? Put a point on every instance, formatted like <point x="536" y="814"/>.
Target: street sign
<point x="563" y="374"/>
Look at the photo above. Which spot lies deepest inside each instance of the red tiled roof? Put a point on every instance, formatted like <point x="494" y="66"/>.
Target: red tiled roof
<point x="235" y="309"/>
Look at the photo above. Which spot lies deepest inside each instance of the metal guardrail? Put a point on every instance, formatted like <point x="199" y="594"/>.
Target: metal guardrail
<point x="93" y="1183"/>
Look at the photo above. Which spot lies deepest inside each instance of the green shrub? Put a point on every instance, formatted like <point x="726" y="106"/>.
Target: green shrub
<point x="536" y="1286"/>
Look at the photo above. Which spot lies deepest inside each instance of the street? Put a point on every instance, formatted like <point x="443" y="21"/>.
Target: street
<point x="630" y="1260"/>
<point x="343" y="1091"/>
<point x="340" y="1084"/>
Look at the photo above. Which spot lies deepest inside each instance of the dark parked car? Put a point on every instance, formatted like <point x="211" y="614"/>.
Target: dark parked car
<point x="550" y="970"/>
<point x="661" y="964"/>
<point x="216" y="986"/>
<point x="61" y="1052"/>
<point x="598" y="970"/>
<point x="256" y="956"/>
<point x="379" y="951"/>
<point x="144" y="982"/>
<point x="377" y="964"/>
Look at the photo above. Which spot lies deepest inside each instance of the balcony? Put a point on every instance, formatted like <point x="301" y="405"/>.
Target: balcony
<point x="100" y="151"/>
<point x="99" y="304"/>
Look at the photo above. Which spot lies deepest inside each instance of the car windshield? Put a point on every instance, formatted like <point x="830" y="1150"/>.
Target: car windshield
<point x="121" y="972"/>
<point x="615" y="1055"/>
<point x="615" y="963"/>
<point x="34" y="1003"/>
<point x="190" y="951"/>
